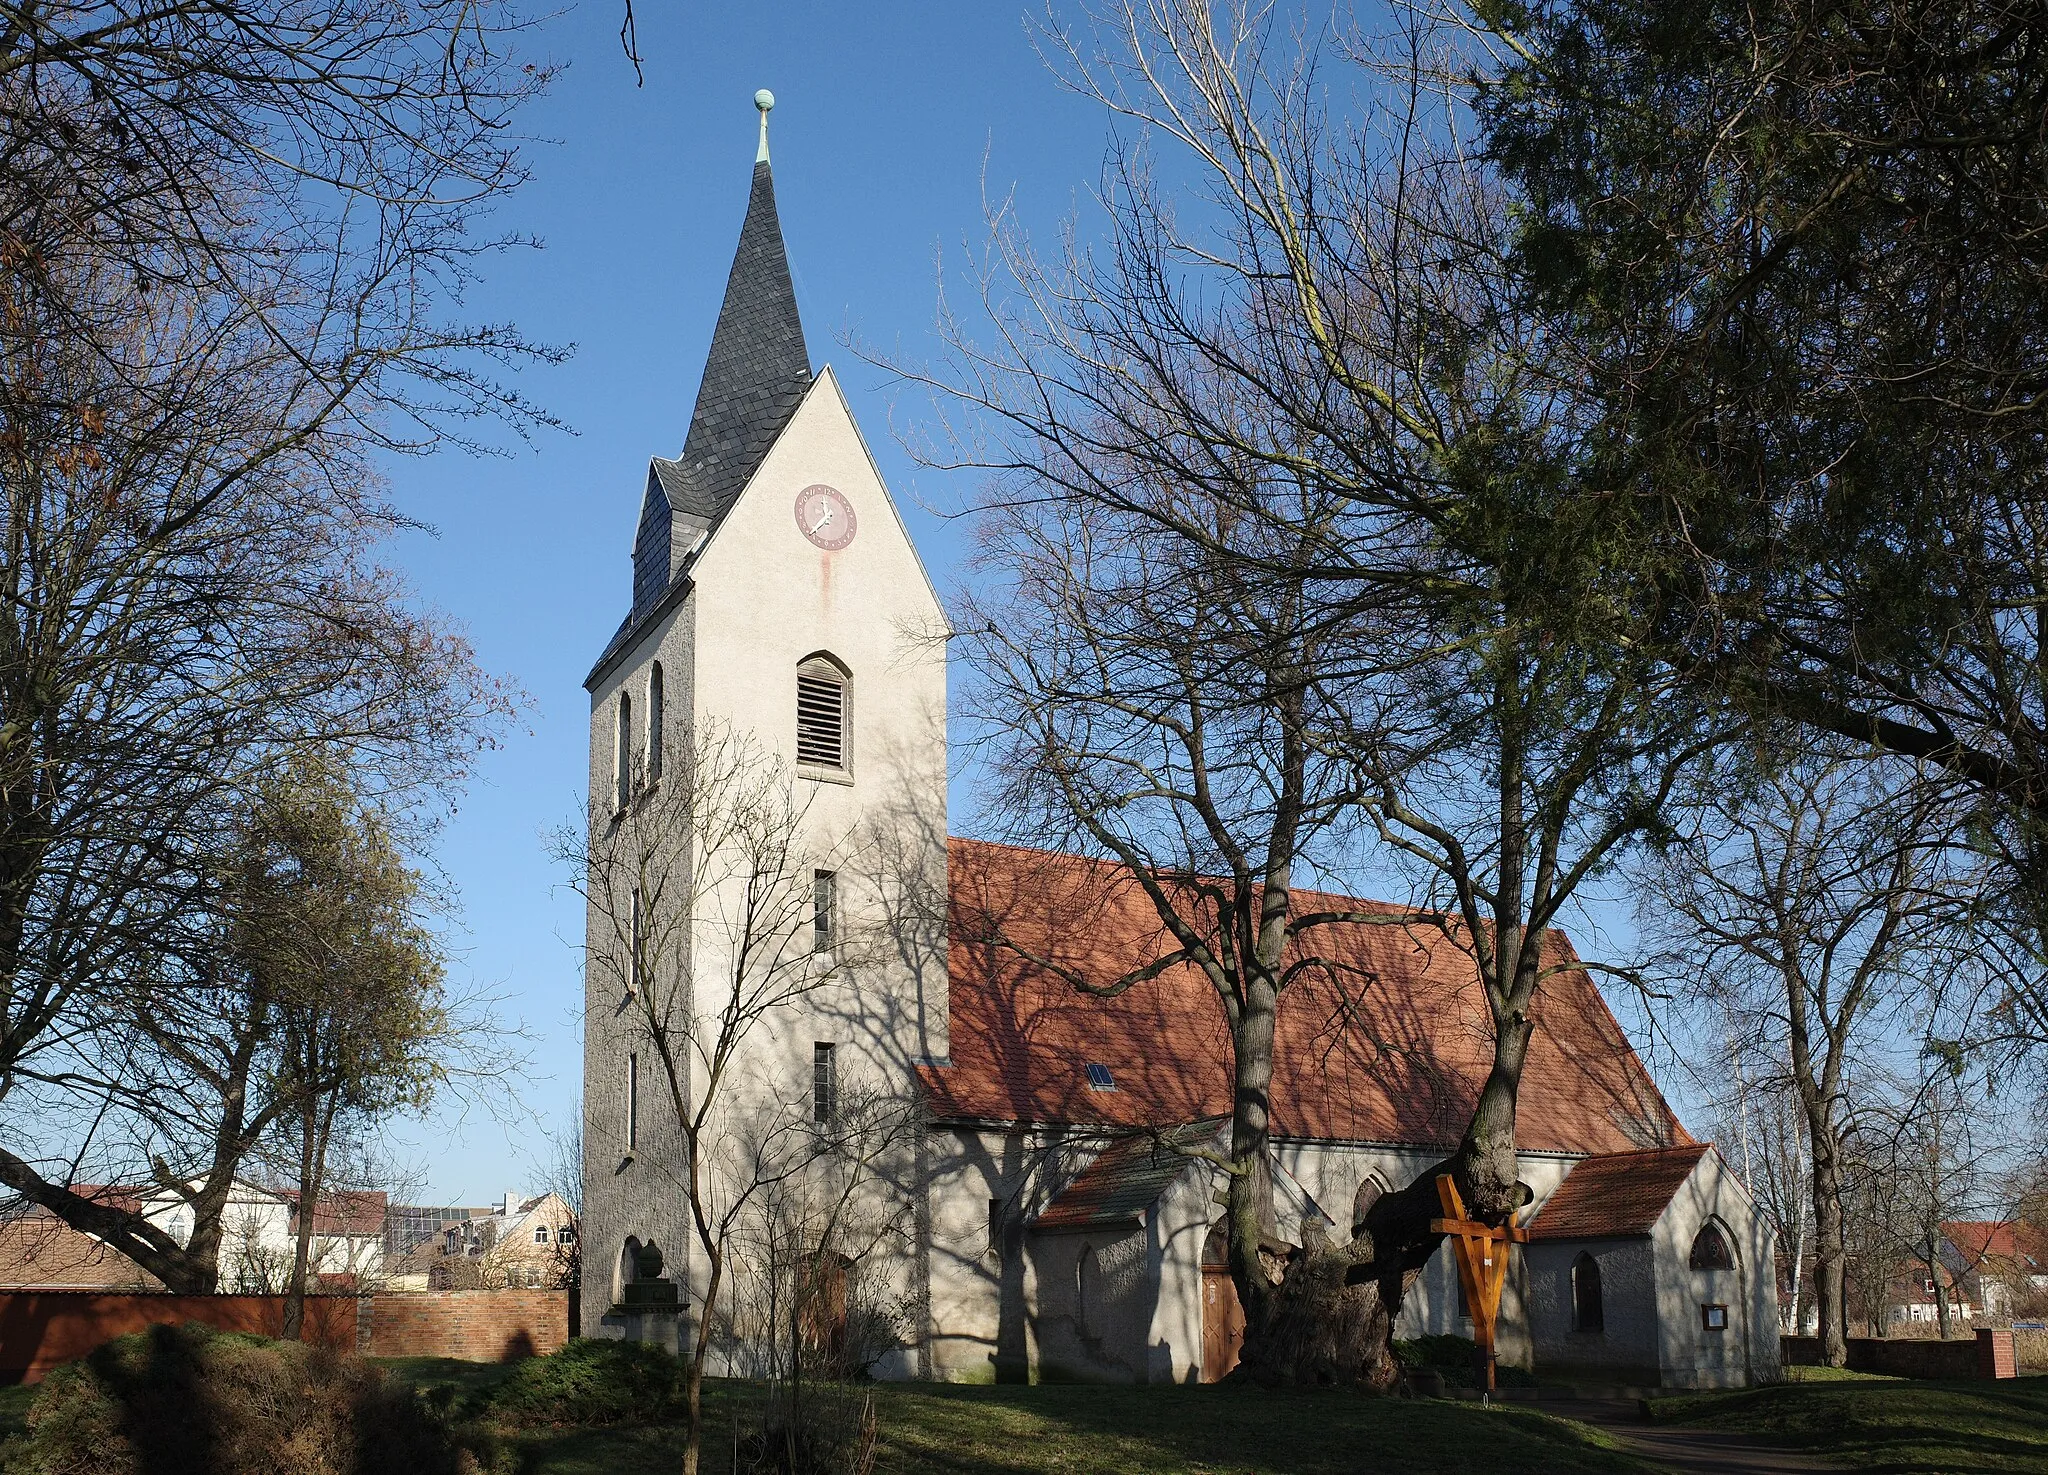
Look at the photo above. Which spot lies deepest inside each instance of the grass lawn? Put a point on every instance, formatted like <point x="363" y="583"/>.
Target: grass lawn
<point x="1886" y="1424"/>
<point x="937" y="1429"/>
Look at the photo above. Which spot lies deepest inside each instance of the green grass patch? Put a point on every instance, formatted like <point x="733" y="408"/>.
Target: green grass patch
<point x="1886" y="1424"/>
<point x="954" y="1429"/>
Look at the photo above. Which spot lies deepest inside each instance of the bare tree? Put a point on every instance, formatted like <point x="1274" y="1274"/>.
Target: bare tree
<point x="1304" y="385"/>
<point x="230" y="236"/>
<point x="1806" y="899"/>
<point x="705" y="921"/>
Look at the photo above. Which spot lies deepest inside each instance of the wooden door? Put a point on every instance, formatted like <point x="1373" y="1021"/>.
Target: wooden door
<point x="1222" y="1312"/>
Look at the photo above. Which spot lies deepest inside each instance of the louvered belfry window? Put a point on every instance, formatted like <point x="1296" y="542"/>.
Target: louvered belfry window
<point x="820" y="715"/>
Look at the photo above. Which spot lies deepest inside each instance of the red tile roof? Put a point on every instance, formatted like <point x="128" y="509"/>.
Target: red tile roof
<point x="2022" y="1245"/>
<point x="1617" y="1194"/>
<point x="1389" y="1043"/>
<point x="39" y="1251"/>
<point x="341" y="1212"/>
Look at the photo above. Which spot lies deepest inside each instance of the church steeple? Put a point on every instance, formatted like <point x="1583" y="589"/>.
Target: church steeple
<point x="758" y="368"/>
<point x="754" y="378"/>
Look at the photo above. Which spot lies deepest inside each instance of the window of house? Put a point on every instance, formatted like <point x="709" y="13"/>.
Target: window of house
<point x="821" y="714"/>
<point x="1589" y="1308"/>
<point x="632" y="1102"/>
<point x="622" y="756"/>
<point x="540" y="1234"/>
<point x="1713" y="1318"/>
<point x="1099" y="1077"/>
<point x="654" y="714"/>
<point x="824" y="1083"/>
<point x="1710" y="1249"/>
<point x="566" y="1235"/>
<point x="824" y="910"/>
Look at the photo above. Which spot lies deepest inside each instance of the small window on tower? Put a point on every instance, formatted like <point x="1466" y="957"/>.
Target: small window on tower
<point x="824" y="1084"/>
<point x="632" y="1102"/>
<point x="821" y="714"/>
<point x="824" y="910"/>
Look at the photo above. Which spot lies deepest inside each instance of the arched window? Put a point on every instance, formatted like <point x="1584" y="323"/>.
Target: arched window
<point x="622" y="758"/>
<point x="822" y="692"/>
<point x="654" y="716"/>
<point x="629" y="1268"/>
<point x="1369" y="1193"/>
<point x="1711" y="1250"/>
<point x="1589" y="1312"/>
<point x="1216" y="1248"/>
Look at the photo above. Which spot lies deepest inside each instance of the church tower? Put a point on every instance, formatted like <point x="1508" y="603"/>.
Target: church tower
<point x="778" y="610"/>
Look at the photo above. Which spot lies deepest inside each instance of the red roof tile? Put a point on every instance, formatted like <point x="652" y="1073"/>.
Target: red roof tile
<point x="2014" y="1241"/>
<point x="1389" y="1043"/>
<point x="342" y="1211"/>
<point x="39" y="1251"/>
<point x="1617" y="1194"/>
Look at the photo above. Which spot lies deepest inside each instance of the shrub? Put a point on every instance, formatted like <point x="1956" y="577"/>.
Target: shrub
<point x="592" y="1381"/>
<point x="1457" y="1358"/>
<point x="175" y="1399"/>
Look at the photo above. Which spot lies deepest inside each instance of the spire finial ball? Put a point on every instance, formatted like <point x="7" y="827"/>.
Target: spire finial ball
<point x="764" y="99"/>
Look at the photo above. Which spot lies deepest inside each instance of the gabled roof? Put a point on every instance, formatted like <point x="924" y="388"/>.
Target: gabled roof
<point x="2017" y="1243"/>
<point x="1125" y="1178"/>
<point x="1617" y="1195"/>
<point x="1389" y="1043"/>
<point x="343" y="1211"/>
<point x="39" y="1251"/>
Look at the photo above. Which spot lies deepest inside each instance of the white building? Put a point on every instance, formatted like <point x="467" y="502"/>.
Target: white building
<point x="776" y="591"/>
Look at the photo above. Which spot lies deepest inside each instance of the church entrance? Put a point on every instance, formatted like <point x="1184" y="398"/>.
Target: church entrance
<point x="1222" y="1313"/>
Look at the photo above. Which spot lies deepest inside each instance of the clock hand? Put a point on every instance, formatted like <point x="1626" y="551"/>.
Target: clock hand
<point x="822" y="520"/>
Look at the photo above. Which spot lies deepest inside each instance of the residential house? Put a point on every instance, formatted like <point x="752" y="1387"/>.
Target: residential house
<point x="523" y="1242"/>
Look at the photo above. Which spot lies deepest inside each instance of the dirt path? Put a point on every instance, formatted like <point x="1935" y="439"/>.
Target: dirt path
<point x="1692" y="1451"/>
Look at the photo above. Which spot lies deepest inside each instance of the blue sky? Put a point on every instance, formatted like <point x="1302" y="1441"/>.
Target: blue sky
<point x="887" y="119"/>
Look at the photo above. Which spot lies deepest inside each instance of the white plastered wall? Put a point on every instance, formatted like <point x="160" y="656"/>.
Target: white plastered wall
<point x="765" y="599"/>
<point x="1689" y="1355"/>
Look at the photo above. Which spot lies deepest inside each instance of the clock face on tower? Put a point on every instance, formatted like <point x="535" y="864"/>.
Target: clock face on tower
<point x="825" y="516"/>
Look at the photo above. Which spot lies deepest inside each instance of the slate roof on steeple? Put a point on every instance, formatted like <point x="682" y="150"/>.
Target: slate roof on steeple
<point x="755" y="376"/>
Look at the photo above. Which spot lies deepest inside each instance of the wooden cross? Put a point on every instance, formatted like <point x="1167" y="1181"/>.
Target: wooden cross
<point x="1482" y="1256"/>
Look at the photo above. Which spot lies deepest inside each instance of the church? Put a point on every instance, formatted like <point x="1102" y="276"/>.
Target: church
<point x="1041" y="1216"/>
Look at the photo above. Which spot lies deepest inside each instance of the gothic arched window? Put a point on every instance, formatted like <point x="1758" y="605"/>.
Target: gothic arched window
<point x="822" y="692"/>
<point x="1369" y="1193"/>
<point x="654" y="718"/>
<point x="1710" y="1249"/>
<point x="1589" y="1312"/>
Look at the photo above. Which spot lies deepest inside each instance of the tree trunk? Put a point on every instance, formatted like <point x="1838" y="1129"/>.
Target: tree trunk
<point x="693" y="1371"/>
<point x="313" y="1136"/>
<point x="1250" y="1192"/>
<point x="1830" y="1248"/>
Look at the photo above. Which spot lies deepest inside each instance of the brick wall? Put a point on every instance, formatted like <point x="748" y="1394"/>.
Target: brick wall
<point x="1988" y="1354"/>
<point x="475" y="1326"/>
<point x="41" y="1329"/>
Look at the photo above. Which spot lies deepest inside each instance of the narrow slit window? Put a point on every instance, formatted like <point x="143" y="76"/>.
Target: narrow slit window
<point x="824" y="910"/>
<point x="632" y="1102"/>
<point x="636" y="945"/>
<point x="622" y="758"/>
<point x="654" y="714"/>
<point x="824" y="1083"/>
<point x="820" y="715"/>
